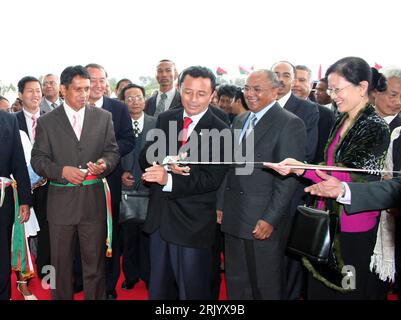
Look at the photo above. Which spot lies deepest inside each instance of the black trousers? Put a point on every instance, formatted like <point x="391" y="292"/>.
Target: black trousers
<point x="135" y="251"/>
<point x="179" y="272"/>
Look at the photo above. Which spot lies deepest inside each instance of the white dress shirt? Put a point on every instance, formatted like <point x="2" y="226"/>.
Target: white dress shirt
<point x="170" y="96"/>
<point x="284" y="99"/>
<point x="71" y="112"/>
<point x="195" y="119"/>
<point x="28" y="119"/>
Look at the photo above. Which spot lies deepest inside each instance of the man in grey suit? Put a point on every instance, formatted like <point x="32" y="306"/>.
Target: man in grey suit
<point x="256" y="206"/>
<point x="75" y="146"/>
<point x="51" y="93"/>
<point x="135" y="243"/>
<point x="168" y="96"/>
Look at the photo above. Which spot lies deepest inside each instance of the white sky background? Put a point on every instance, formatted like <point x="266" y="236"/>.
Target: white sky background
<point x="128" y="37"/>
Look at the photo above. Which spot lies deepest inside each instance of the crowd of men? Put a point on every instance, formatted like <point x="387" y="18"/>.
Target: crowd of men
<point x="81" y="138"/>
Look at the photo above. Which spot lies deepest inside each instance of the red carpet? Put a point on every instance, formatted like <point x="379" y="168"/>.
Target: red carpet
<point x="139" y="292"/>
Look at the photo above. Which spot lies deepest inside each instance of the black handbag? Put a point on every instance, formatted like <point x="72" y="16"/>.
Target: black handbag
<point x="312" y="234"/>
<point x="134" y="205"/>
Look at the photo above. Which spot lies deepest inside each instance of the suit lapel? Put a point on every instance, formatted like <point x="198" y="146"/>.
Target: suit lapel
<point x="265" y="124"/>
<point x="22" y="122"/>
<point x="62" y="119"/>
<point x="88" y="123"/>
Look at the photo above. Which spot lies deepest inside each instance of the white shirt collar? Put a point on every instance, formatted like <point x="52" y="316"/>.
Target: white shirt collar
<point x="140" y="121"/>
<point x="284" y="99"/>
<point x="28" y="120"/>
<point x="170" y="96"/>
<point x="57" y="102"/>
<point x="195" y="119"/>
<point x="71" y="112"/>
<point x="388" y="119"/>
<point x="99" y="103"/>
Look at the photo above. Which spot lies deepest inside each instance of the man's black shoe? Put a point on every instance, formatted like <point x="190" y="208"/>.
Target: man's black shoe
<point x="78" y="288"/>
<point x="111" y="295"/>
<point x="128" y="285"/>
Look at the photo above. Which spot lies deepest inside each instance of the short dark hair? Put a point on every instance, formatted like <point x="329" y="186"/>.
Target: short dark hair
<point x="96" y="66"/>
<point x="287" y="62"/>
<point x="353" y="69"/>
<point x="3" y="98"/>
<point x="379" y="81"/>
<point x="240" y="95"/>
<point x="123" y="80"/>
<point x="130" y="86"/>
<point x="22" y="83"/>
<point x="228" y="90"/>
<point x="71" y="72"/>
<point x="198" y="72"/>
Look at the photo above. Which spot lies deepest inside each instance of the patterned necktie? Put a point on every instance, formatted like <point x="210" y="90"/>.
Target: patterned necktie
<point x="76" y="125"/>
<point x="161" y="105"/>
<point x="187" y="122"/>
<point x="33" y="127"/>
<point x="137" y="131"/>
<point x="54" y="106"/>
<point x="251" y="126"/>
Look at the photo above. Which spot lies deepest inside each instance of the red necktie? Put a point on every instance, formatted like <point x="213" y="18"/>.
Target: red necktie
<point x="33" y="126"/>
<point x="187" y="122"/>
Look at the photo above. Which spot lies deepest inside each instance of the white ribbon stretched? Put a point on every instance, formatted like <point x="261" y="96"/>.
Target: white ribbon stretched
<point x="305" y="166"/>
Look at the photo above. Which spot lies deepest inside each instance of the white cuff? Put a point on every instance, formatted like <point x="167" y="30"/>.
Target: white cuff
<point x="169" y="186"/>
<point x="346" y="198"/>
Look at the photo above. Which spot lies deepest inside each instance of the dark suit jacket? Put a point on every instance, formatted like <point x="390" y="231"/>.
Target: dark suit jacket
<point x="56" y="146"/>
<point x="375" y="195"/>
<point x="12" y="161"/>
<point x="150" y="104"/>
<point x="130" y="161"/>
<point x="309" y="113"/>
<point x="187" y="215"/>
<point x="396" y="144"/>
<point x="326" y="122"/>
<point x="125" y="139"/>
<point x="264" y="194"/>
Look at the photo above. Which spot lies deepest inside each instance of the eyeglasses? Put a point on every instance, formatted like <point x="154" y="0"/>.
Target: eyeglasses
<point x="134" y="98"/>
<point x="257" y="90"/>
<point x="336" y="91"/>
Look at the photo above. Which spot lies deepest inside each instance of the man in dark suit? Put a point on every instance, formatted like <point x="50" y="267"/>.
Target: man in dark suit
<point x="135" y="243"/>
<point x="256" y="206"/>
<point x="51" y="93"/>
<point x="75" y="146"/>
<point x="181" y="217"/>
<point x="309" y="113"/>
<point x="30" y="93"/>
<point x="125" y="140"/>
<point x="167" y="96"/>
<point x="12" y="162"/>
<point x="302" y="87"/>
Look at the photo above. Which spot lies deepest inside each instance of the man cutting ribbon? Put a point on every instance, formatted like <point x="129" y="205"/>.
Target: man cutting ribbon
<point x="75" y="148"/>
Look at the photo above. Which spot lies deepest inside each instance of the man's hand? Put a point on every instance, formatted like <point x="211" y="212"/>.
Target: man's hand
<point x="24" y="213"/>
<point x="177" y="168"/>
<point x="330" y="187"/>
<point x="73" y="175"/>
<point x="156" y="173"/>
<point x="263" y="230"/>
<point x="219" y="214"/>
<point x="96" y="168"/>
<point x="282" y="167"/>
<point x="127" y="179"/>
